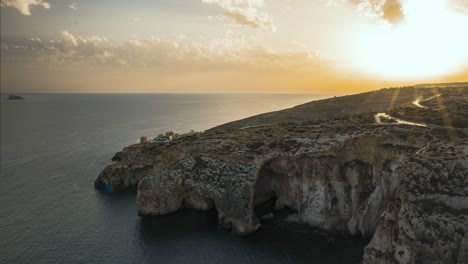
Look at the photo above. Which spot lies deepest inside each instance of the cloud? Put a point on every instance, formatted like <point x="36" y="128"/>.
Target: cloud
<point x="73" y="6"/>
<point x="24" y="6"/>
<point x="390" y="11"/>
<point x="418" y="48"/>
<point x="395" y="11"/>
<point x="232" y="51"/>
<point x="232" y="62"/>
<point x="245" y="13"/>
<point x="460" y="5"/>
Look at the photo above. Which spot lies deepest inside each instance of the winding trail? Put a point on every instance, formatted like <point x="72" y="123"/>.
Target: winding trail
<point x="423" y="150"/>
<point x="378" y="119"/>
<point x="418" y="101"/>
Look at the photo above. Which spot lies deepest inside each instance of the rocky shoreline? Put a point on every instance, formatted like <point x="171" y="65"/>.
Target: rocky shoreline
<point x="338" y="171"/>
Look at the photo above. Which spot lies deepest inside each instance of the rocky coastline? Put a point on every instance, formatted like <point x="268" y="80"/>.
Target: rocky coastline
<point x="326" y="164"/>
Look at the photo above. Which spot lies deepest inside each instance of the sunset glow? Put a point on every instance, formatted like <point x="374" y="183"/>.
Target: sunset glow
<point x="220" y="46"/>
<point x="430" y="42"/>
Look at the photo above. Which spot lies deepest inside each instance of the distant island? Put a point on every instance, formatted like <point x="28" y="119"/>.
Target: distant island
<point x="390" y="165"/>
<point x="15" y="97"/>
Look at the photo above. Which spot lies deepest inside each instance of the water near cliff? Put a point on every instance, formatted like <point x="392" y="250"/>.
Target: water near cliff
<point x="54" y="146"/>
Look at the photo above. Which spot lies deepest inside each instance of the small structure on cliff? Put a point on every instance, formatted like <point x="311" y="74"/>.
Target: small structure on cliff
<point x="171" y="135"/>
<point x="166" y="137"/>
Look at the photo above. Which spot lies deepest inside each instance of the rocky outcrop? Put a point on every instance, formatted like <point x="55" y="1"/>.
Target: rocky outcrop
<point x="202" y="183"/>
<point x="343" y="175"/>
<point x="343" y="189"/>
<point x="427" y="221"/>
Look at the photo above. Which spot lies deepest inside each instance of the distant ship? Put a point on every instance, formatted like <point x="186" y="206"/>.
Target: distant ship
<point x="15" y="97"/>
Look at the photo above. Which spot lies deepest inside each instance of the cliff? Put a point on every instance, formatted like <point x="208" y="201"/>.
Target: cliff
<point x="403" y="186"/>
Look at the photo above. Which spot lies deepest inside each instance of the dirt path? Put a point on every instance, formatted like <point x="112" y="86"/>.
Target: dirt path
<point x="378" y="119"/>
<point x="418" y="101"/>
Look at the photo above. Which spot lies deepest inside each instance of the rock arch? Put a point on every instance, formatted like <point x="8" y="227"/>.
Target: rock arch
<point x="321" y="190"/>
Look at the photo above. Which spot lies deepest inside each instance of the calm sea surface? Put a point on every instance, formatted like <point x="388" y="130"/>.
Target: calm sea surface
<point x="54" y="146"/>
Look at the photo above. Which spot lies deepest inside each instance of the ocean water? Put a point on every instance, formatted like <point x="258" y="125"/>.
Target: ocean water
<point x="54" y="146"/>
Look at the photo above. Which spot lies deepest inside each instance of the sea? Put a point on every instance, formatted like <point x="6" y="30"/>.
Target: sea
<point x="53" y="146"/>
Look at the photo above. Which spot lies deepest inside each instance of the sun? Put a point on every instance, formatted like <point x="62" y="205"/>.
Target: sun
<point x="432" y="41"/>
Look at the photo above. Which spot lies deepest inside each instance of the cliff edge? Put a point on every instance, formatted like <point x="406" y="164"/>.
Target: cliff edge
<point x="331" y="164"/>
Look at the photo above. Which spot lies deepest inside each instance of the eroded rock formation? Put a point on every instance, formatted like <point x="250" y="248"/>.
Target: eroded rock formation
<point x="343" y="175"/>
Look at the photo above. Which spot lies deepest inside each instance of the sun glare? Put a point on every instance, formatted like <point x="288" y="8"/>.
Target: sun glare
<point x="431" y="41"/>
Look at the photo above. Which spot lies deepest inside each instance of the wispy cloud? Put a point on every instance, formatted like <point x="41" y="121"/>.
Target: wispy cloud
<point x="73" y="6"/>
<point x="394" y="11"/>
<point x="232" y="62"/>
<point x="178" y="54"/>
<point x="460" y="5"/>
<point x="24" y="6"/>
<point x="390" y="11"/>
<point x="245" y="13"/>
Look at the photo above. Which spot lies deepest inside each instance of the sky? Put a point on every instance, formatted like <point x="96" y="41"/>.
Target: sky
<point x="230" y="46"/>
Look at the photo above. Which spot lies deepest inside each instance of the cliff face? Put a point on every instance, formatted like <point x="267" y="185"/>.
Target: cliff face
<point x="387" y="182"/>
<point x="202" y="183"/>
<point x="427" y="220"/>
<point x="343" y="189"/>
<point x="339" y="189"/>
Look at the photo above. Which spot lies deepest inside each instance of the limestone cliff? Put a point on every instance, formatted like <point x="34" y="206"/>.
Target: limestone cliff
<point x="405" y="187"/>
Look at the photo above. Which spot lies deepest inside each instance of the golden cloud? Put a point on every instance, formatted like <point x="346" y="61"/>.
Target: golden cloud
<point x="24" y="6"/>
